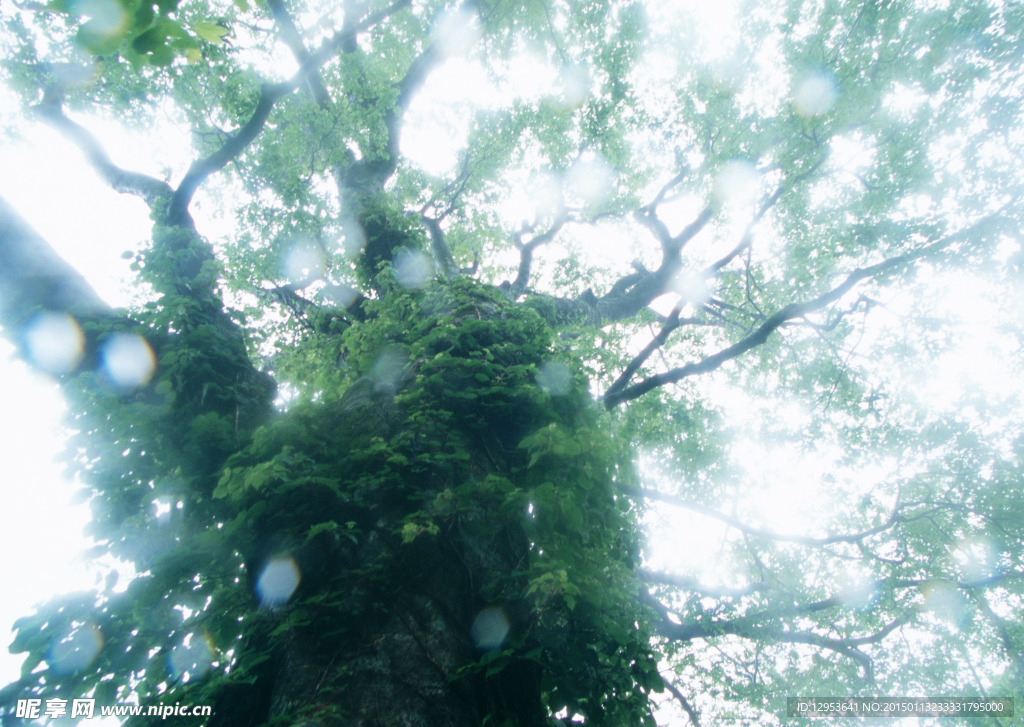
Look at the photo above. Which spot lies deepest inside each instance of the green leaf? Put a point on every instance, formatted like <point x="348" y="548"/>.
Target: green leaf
<point x="209" y="31"/>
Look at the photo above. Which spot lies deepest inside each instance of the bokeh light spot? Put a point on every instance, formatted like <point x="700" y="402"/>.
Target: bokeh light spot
<point x="54" y="342"/>
<point x="192" y="659"/>
<point x="489" y="628"/>
<point x="736" y="182"/>
<point x="456" y="32"/>
<point x="105" y="19"/>
<point x="278" y="581"/>
<point x="128" y="360"/>
<point x="591" y="180"/>
<point x="352" y="239"/>
<point x="555" y="378"/>
<point x="412" y="268"/>
<point x="815" y="95"/>
<point x="343" y="295"/>
<point x="575" y="84"/>
<point x="302" y="264"/>
<point x="388" y="369"/>
<point x="76" y="649"/>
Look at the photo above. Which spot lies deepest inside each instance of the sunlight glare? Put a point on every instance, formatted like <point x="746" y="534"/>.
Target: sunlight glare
<point x="976" y="359"/>
<point x="161" y="509"/>
<point x="437" y="123"/>
<point x="530" y="78"/>
<point x="456" y="31"/>
<point x="977" y="558"/>
<point x="532" y="198"/>
<point x="691" y="287"/>
<point x="857" y="589"/>
<point x="717" y="22"/>
<point x="851" y="154"/>
<point x="946" y="602"/>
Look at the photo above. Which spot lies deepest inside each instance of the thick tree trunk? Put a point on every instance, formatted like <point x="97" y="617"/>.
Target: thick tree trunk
<point x="440" y="511"/>
<point x="409" y="660"/>
<point x="398" y="648"/>
<point x="34" y="278"/>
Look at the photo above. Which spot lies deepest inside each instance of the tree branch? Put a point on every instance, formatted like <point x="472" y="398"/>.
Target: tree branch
<point x="684" y="703"/>
<point x="348" y="32"/>
<point x="630" y="294"/>
<point x="444" y="263"/>
<point x="786" y="313"/>
<point x="518" y="286"/>
<point x="748" y="234"/>
<point x="625" y="301"/>
<point x="747" y="628"/>
<point x="149" y="189"/>
<point x="34" y="277"/>
<point x="765" y="625"/>
<point x="692" y="584"/>
<point x="671" y="323"/>
<point x="733" y="522"/>
<point x="752" y="627"/>
<point x="201" y="169"/>
<point x="289" y="34"/>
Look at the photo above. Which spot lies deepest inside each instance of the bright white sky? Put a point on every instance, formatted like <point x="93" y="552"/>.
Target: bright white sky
<point x="46" y="180"/>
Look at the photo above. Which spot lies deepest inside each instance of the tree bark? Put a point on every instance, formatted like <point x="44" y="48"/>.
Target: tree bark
<point x="34" y="278"/>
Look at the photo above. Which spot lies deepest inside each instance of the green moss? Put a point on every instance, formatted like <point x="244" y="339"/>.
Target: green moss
<point x="444" y="454"/>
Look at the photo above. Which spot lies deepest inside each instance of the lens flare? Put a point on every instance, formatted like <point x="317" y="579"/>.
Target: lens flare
<point x="555" y="378"/>
<point x="76" y="649"/>
<point x="302" y="263"/>
<point x="412" y="268"/>
<point x="191" y="659"/>
<point x="456" y="32"/>
<point x="591" y="180"/>
<point x="278" y="581"/>
<point x="736" y="182"/>
<point x="489" y="628"/>
<point x="815" y="95"/>
<point x="128" y="361"/>
<point x="54" y="342"/>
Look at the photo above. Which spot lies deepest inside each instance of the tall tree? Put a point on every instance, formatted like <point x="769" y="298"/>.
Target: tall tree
<point x="380" y="440"/>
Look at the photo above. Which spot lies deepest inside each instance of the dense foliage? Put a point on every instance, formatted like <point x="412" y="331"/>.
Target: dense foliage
<point x="406" y="421"/>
